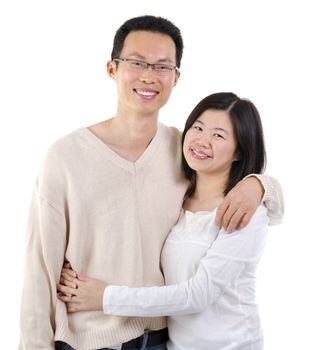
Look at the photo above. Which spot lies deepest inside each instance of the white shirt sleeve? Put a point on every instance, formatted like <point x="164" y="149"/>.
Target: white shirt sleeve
<point x="225" y="260"/>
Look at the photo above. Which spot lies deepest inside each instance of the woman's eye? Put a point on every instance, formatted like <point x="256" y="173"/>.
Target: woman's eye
<point x="198" y="128"/>
<point x="218" y="136"/>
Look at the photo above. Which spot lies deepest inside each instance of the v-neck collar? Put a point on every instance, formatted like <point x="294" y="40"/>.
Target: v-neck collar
<point x="104" y="149"/>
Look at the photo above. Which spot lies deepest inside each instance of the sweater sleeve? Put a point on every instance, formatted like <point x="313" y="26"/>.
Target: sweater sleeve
<point x="273" y="197"/>
<point x="223" y="263"/>
<point x="45" y="247"/>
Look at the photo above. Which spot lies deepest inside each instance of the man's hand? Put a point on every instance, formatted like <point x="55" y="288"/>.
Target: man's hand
<point x="80" y="293"/>
<point x="240" y="204"/>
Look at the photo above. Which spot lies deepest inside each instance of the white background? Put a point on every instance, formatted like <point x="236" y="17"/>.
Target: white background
<point x="53" y="80"/>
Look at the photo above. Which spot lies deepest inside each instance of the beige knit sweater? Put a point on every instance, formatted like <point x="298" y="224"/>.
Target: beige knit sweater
<point x="109" y="217"/>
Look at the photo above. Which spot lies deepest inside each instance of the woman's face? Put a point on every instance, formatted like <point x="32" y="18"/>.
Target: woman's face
<point x="210" y="144"/>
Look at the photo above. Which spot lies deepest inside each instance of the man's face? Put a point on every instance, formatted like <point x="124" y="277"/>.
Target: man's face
<point x="144" y="91"/>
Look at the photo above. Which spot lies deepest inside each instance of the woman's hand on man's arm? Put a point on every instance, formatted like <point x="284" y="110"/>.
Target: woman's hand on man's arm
<point x="80" y="293"/>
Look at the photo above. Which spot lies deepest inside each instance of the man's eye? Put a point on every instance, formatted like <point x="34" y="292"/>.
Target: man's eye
<point x="136" y="64"/>
<point x="161" y="68"/>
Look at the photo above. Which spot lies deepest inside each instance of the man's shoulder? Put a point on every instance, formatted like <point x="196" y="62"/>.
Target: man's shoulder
<point x="62" y="149"/>
<point x="66" y="142"/>
<point x="171" y="141"/>
<point x="171" y="131"/>
<point x="60" y="156"/>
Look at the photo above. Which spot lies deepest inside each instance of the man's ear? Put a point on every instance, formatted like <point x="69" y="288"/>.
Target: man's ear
<point x="177" y="75"/>
<point x="111" y="68"/>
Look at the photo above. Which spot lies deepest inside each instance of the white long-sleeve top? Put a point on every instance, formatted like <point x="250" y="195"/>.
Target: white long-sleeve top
<point x="210" y="291"/>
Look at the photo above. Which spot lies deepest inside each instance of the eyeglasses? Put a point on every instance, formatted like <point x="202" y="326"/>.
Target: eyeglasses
<point x="140" y="66"/>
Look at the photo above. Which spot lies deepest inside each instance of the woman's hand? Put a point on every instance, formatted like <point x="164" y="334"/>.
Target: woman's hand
<point x="80" y="293"/>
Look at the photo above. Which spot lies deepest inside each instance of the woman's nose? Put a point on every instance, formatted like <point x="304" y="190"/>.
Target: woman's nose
<point x="204" y="140"/>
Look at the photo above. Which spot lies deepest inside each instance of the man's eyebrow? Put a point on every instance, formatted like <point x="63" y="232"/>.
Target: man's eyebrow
<point x="139" y="57"/>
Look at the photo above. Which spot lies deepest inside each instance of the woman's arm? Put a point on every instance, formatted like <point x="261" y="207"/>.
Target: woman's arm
<point x="225" y="260"/>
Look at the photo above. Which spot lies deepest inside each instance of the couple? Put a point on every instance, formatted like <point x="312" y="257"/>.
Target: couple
<point x="210" y="274"/>
<point x="107" y="197"/>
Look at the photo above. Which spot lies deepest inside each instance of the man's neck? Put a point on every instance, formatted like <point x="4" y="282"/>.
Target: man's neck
<point x="133" y="128"/>
<point x="128" y="137"/>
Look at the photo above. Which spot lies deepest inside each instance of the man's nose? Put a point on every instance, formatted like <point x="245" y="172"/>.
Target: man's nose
<point x="148" y="75"/>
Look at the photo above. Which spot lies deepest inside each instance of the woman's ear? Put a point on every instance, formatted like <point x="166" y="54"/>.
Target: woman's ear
<point x="237" y="155"/>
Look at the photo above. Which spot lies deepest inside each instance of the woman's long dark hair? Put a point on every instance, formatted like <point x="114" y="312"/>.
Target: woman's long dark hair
<point x="248" y="130"/>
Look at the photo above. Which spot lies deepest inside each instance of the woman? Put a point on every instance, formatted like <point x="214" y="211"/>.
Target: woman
<point x="210" y="275"/>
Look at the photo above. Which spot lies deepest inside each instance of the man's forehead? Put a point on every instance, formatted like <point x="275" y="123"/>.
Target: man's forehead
<point x="150" y="45"/>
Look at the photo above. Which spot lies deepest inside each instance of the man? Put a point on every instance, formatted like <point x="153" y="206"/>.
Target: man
<point x="108" y="195"/>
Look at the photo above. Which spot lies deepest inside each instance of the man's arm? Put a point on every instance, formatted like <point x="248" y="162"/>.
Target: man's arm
<point x="44" y="258"/>
<point x="242" y="201"/>
<point x="273" y="198"/>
